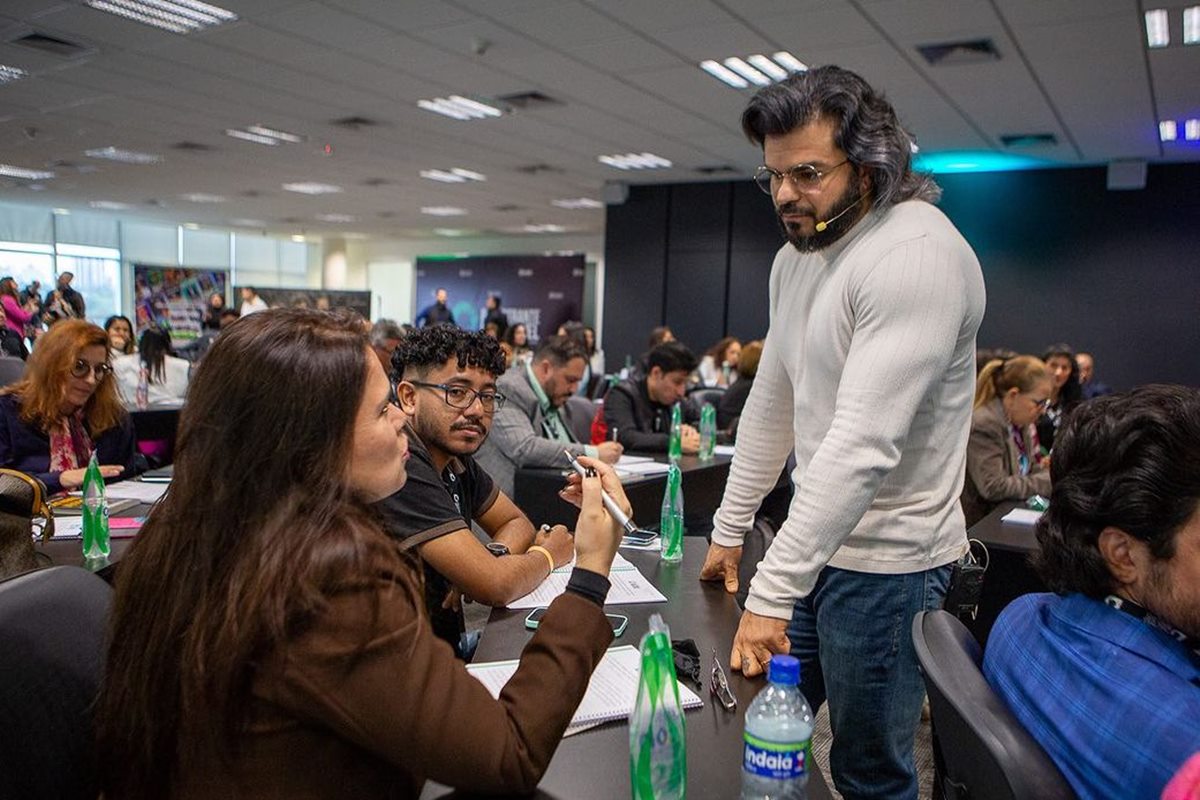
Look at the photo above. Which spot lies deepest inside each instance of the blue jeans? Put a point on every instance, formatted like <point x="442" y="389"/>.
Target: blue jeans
<point x="853" y="636"/>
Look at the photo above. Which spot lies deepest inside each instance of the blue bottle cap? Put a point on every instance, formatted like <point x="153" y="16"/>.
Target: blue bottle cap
<point x="785" y="670"/>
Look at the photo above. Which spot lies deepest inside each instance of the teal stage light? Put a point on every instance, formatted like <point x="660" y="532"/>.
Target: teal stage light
<point x="975" y="161"/>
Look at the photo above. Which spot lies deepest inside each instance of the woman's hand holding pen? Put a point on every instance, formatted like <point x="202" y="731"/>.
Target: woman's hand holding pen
<point x="597" y="534"/>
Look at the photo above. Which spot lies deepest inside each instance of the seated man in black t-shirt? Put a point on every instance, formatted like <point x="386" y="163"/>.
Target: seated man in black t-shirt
<point x="446" y="383"/>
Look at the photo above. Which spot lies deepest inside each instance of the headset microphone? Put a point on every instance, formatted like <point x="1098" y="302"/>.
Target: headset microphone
<point x="821" y="226"/>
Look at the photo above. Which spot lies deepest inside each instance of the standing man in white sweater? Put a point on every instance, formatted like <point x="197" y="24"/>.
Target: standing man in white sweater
<point x="870" y="361"/>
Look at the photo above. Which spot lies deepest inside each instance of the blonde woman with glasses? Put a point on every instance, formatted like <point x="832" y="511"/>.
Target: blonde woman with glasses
<point x="1004" y="457"/>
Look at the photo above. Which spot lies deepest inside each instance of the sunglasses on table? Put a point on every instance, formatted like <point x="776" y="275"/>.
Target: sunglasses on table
<point x="718" y="685"/>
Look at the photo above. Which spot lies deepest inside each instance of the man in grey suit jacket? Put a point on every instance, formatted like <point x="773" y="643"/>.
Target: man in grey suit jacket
<point x="535" y="425"/>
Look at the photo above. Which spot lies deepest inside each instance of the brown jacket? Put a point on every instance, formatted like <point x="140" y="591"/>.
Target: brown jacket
<point x="993" y="464"/>
<point x="325" y="724"/>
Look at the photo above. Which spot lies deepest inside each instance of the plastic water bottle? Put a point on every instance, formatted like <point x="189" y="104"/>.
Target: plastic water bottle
<point x="96" y="546"/>
<point x="143" y="389"/>
<point x="777" y="743"/>
<point x="657" y="734"/>
<point x="671" y="520"/>
<point x="599" y="426"/>
<point x="675" y="444"/>
<point x="708" y="431"/>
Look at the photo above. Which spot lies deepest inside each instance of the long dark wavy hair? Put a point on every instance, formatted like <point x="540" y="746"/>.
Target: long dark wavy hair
<point x="256" y="527"/>
<point x="866" y="128"/>
<point x="1130" y="461"/>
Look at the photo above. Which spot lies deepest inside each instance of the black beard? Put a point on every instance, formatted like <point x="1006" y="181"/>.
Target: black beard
<point x="836" y="228"/>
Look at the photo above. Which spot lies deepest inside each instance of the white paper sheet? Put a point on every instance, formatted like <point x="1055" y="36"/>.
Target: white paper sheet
<point x="628" y="586"/>
<point x="1022" y="516"/>
<point x="611" y="691"/>
<point x="133" y="490"/>
<point x="723" y="450"/>
<point x="643" y="468"/>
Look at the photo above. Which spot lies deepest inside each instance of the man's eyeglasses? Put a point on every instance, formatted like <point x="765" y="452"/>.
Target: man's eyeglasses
<point x="719" y="686"/>
<point x="82" y="368"/>
<point x="805" y="177"/>
<point x="463" y="397"/>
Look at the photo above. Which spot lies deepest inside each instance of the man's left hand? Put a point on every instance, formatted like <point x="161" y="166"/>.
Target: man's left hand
<point x="756" y="640"/>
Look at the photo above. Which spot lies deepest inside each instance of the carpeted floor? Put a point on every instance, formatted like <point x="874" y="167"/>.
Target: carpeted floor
<point x="922" y="750"/>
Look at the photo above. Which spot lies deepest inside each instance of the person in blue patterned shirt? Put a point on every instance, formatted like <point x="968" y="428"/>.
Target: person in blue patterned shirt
<point x="1105" y="672"/>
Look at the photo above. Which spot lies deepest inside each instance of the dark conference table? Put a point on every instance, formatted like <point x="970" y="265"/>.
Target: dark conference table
<point x="536" y="493"/>
<point x="595" y="764"/>
<point x="1009" y="573"/>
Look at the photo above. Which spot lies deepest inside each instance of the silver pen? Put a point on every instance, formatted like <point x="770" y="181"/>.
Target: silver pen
<point x="617" y="514"/>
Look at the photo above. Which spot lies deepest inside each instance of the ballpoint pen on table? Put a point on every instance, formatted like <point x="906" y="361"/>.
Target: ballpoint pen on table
<point x="617" y="514"/>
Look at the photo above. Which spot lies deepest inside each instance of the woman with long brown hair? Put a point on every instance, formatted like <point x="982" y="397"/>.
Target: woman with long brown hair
<point x="719" y="365"/>
<point x="65" y="408"/>
<point x="270" y="640"/>
<point x="1004" y="457"/>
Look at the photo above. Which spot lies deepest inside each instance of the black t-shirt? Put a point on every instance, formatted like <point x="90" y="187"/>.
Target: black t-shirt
<point x="431" y="505"/>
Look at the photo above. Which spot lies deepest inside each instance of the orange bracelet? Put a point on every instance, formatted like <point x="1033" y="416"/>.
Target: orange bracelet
<point x="537" y="548"/>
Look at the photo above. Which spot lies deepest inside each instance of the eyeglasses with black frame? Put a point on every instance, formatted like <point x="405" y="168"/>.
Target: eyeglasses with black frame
<point x="463" y="397"/>
<point x="719" y="686"/>
<point x="82" y="368"/>
<point x="805" y="177"/>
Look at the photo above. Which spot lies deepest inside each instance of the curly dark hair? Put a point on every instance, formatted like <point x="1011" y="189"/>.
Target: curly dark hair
<point x="1071" y="393"/>
<point x="867" y="129"/>
<point x="426" y="349"/>
<point x="1129" y="461"/>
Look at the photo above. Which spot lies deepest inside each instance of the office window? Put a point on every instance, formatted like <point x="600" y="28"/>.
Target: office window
<point x="97" y="273"/>
<point x="26" y="262"/>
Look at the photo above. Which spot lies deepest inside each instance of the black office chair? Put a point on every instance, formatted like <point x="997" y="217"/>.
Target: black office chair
<point x="980" y="750"/>
<point x="12" y="369"/>
<point x="52" y="627"/>
<point x="754" y="548"/>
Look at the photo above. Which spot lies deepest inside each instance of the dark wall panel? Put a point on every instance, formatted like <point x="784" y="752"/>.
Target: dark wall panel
<point x="697" y="263"/>
<point x="1064" y="259"/>
<point x="635" y="252"/>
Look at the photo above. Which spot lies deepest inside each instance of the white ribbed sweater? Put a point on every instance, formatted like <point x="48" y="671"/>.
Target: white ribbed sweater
<point x="870" y="360"/>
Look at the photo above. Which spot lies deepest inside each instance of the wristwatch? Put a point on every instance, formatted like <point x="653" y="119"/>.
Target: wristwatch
<point x="497" y="549"/>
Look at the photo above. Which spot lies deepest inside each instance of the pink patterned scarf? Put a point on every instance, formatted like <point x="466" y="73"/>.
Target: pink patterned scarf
<point x="70" y="445"/>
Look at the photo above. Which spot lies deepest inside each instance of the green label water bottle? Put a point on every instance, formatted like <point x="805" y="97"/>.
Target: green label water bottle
<point x="657" y="733"/>
<point x="96" y="546"/>
<point x="708" y="431"/>
<point x="675" y="446"/>
<point x="671" y="522"/>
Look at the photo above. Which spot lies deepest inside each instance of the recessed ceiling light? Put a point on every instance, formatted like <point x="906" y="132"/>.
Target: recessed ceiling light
<point x="459" y="107"/>
<point x="1158" y="28"/>
<point x="248" y="223"/>
<point x="1191" y="25"/>
<point x="335" y="218"/>
<point x="124" y="156"/>
<point x="724" y="74"/>
<point x="9" y="74"/>
<point x="272" y="133"/>
<point x="455" y="175"/>
<point x="789" y="62"/>
<point x="110" y="205"/>
<point x="61" y="212"/>
<point x="176" y="16"/>
<point x="201" y="197"/>
<point x="443" y="211"/>
<point x="546" y="228"/>
<point x="191" y="226"/>
<point x="9" y="171"/>
<point x="1191" y="130"/>
<point x="311" y="187"/>
<point x="247" y="136"/>
<point x="768" y="67"/>
<point x="748" y="72"/>
<point x="757" y="69"/>
<point x="298" y="238"/>
<point x="450" y="231"/>
<point x="577" y="203"/>
<point x="1167" y="131"/>
<point x="635" y="161"/>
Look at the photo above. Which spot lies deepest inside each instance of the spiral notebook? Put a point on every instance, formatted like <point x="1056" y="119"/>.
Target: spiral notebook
<point x="610" y="694"/>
